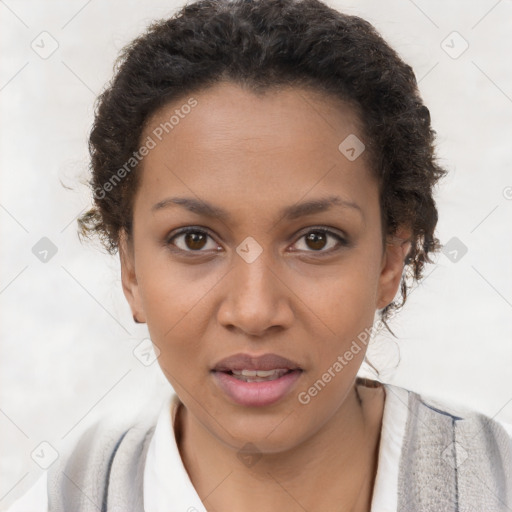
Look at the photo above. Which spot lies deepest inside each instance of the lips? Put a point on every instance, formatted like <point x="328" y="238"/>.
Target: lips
<point x="239" y="362"/>
<point x="260" y="393"/>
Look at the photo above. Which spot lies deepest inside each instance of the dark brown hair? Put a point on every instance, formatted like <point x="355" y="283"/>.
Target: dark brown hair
<point x="260" y="45"/>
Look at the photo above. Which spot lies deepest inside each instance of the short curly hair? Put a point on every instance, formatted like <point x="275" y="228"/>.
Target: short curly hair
<point x="263" y="44"/>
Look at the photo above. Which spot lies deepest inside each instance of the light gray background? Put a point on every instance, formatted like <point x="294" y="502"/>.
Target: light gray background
<point x="67" y="335"/>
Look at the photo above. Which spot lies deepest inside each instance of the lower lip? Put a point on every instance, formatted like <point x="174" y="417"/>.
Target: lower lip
<point x="256" y="394"/>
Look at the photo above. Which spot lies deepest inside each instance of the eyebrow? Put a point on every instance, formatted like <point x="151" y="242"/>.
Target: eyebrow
<point x="292" y="212"/>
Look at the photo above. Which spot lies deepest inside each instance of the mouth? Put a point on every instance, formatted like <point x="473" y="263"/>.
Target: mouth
<point x="256" y="381"/>
<point x="254" y="388"/>
<point x="246" y="364"/>
<point x="258" y="375"/>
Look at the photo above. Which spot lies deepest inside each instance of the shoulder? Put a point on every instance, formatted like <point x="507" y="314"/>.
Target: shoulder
<point x="448" y="408"/>
<point x="452" y="454"/>
<point x="425" y="407"/>
<point x="106" y="465"/>
<point x="107" y="452"/>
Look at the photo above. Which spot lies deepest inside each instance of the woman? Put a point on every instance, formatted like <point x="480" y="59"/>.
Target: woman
<point x="265" y="170"/>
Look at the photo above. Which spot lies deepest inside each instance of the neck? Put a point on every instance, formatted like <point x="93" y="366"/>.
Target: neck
<point x="336" y="466"/>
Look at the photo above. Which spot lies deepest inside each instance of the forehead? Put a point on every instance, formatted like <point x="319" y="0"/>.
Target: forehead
<point x="226" y="110"/>
<point x="234" y="145"/>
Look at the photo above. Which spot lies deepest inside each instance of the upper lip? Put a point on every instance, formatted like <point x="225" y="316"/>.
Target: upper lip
<point x="240" y="362"/>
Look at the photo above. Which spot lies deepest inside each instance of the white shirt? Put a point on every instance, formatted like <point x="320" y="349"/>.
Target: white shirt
<point x="164" y="464"/>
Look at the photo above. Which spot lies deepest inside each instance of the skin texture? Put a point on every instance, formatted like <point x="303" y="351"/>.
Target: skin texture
<point x="253" y="155"/>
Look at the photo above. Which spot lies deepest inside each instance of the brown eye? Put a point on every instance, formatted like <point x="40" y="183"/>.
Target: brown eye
<point x="191" y="240"/>
<point x="319" y="240"/>
<point x="316" y="240"/>
<point x="195" y="240"/>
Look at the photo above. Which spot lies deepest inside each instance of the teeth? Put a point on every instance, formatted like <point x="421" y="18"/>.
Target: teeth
<point x="259" y="375"/>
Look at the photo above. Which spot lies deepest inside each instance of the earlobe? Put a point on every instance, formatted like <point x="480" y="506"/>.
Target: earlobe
<point x="129" y="278"/>
<point x="395" y="253"/>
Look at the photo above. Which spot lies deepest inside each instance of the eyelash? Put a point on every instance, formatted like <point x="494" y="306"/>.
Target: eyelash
<point x="343" y="242"/>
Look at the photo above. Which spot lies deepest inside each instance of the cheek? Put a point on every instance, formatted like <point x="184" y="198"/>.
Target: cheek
<point x="174" y="302"/>
<point x="170" y="290"/>
<point x="344" y="293"/>
<point x="346" y="306"/>
<point x="342" y="308"/>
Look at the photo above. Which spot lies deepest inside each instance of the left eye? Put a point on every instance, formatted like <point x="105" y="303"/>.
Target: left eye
<point x="317" y="239"/>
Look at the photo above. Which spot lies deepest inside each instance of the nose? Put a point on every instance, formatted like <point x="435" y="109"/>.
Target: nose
<point x="256" y="299"/>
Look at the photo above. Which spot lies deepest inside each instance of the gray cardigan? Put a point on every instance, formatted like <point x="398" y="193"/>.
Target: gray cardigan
<point x="448" y="464"/>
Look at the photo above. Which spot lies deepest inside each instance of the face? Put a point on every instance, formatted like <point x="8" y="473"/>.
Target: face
<point x="284" y="255"/>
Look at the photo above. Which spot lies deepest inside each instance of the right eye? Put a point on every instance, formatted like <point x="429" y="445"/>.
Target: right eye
<point x="191" y="239"/>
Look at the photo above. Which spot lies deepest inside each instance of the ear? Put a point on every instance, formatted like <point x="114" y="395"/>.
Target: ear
<point x="129" y="277"/>
<point x="395" y="252"/>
